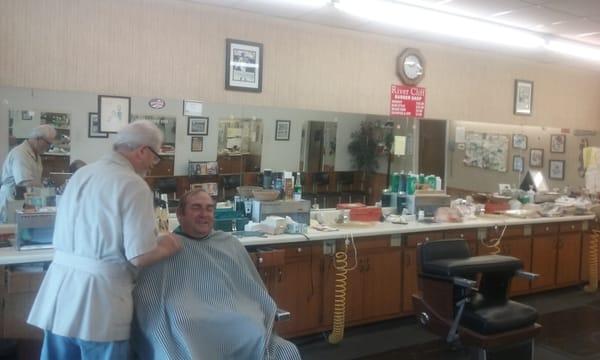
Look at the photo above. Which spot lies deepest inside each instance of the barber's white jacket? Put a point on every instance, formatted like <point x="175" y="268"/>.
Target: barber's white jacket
<point x="22" y="164"/>
<point x="105" y="218"/>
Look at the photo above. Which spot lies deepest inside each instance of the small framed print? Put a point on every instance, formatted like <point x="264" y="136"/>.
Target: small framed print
<point x="536" y="158"/>
<point x="113" y="112"/>
<point x="523" y="97"/>
<point x="557" y="143"/>
<point x="197" y="125"/>
<point x="26" y="115"/>
<point x="197" y="143"/>
<point x="94" y="127"/>
<point x="519" y="141"/>
<point x="243" y="65"/>
<point x="282" y="129"/>
<point x="192" y="108"/>
<point x="517" y="163"/>
<point x="556" y="169"/>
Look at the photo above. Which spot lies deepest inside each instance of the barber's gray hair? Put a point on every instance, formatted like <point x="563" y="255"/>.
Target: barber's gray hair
<point x="43" y="131"/>
<point x="139" y="133"/>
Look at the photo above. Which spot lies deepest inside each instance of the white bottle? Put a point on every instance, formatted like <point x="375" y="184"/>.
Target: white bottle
<point x="531" y="194"/>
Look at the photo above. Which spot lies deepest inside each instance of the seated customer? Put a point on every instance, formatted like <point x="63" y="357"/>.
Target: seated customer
<point x="206" y="302"/>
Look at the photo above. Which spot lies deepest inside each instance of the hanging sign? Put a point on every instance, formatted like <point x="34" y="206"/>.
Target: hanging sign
<point x="407" y="101"/>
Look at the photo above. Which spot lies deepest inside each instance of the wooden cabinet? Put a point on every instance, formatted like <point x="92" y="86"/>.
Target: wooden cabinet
<point x="293" y="280"/>
<point x="568" y="269"/>
<point x="373" y="288"/>
<point x="544" y="252"/>
<point x="164" y="167"/>
<point x="409" y="265"/>
<point x="54" y="163"/>
<point x="20" y="289"/>
<point x="515" y="243"/>
<point x="466" y="234"/>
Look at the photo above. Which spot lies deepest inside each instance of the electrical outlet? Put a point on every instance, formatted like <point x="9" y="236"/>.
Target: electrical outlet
<point x="329" y="247"/>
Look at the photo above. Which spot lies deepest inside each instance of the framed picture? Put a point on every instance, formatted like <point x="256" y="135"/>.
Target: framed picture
<point x="94" y="127"/>
<point x="197" y="125"/>
<point x="536" y="158"/>
<point x="282" y="129"/>
<point x="519" y="141"/>
<point x="197" y="143"/>
<point x="114" y="112"/>
<point x="243" y="66"/>
<point x="26" y="115"/>
<point x="557" y="143"/>
<point x="517" y="163"/>
<point x="557" y="169"/>
<point x="523" y="97"/>
<point x="192" y="108"/>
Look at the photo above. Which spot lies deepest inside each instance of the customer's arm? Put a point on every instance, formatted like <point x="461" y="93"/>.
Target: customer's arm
<point x="168" y="245"/>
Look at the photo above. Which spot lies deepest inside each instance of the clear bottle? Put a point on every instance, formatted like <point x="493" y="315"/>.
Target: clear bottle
<point x="531" y="194"/>
<point x="297" y="188"/>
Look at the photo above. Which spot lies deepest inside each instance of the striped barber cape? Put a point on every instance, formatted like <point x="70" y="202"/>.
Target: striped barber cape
<point x="206" y="302"/>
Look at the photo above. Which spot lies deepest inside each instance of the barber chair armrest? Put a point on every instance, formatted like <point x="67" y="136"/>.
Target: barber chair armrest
<point x="282" y="315"/>
<point x="466" y="283"/>
<point x="526" y="274"/>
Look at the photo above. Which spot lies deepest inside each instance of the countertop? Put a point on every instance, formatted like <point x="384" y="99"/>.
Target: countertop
<point x="13" y="256"/>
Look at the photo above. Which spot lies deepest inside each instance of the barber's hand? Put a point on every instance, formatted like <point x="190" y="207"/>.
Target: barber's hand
<point x="170" y="244"/>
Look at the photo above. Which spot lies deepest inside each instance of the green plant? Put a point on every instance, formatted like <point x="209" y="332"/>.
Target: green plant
<point x="363" y="147"/>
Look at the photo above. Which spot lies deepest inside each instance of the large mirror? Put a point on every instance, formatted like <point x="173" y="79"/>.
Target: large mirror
<point x="239" y="146"/>
<point x="318" y="146"/>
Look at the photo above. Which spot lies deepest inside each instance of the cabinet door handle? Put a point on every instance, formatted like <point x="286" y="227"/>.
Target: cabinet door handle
<point x="426" y="238"/>
<point x="260" y="260"/>
<point x="547" y="228"/>
<point x="368" y="265"/>
<point x="572" y="227"/>
<point x="462" y="236"/>
<point x="299" y="250"/>
<point x="280" y="277"/>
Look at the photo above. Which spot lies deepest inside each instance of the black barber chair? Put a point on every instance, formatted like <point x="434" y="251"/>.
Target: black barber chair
<point x="473" y="313"/>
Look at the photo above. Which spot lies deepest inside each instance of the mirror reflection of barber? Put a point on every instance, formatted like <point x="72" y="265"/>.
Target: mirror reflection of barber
<point x="23" y="164"/>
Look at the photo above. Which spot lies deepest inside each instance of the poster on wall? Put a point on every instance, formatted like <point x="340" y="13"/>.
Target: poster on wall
<point x="486" y="151"/>
<point x="407" y="101"/>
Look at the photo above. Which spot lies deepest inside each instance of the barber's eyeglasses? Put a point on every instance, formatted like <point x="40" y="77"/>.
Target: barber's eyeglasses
<point x="156" y="156"/>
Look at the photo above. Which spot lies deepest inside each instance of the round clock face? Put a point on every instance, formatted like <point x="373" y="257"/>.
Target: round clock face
<point x="410" y="67"/>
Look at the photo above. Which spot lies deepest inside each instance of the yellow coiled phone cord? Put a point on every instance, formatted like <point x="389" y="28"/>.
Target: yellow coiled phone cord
<point x="339" y="303"/>
<point x="593" y="261"/>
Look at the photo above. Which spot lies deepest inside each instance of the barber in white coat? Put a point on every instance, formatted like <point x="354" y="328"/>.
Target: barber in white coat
<point x="23" y="164"/>
<point x="104" y="229"/>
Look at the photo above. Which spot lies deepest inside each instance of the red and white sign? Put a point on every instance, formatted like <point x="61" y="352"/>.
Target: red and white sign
<point x="407" y="101"/>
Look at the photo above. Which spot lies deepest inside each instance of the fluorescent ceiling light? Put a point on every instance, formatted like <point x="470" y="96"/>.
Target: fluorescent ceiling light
<point x="571" y="48"/>
<point x="427" y="20"/>
<point x="311" y="3"/>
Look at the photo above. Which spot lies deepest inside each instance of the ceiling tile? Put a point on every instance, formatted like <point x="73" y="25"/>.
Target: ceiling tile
<point x="275" y="8"/>
<point x="576" y="7"/>
<point x="329" y="15"/>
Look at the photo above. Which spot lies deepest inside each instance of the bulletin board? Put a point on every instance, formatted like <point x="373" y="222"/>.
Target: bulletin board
<point x="487" y="151"/>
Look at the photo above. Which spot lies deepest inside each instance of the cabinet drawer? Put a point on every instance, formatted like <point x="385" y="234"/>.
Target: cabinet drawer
<point x="23" y="282"/>
<point x="511" y="231"/>
<point x="413" y="239"/>
<point x="467" y="234"/>
<point x="371" y="242"/>
<point x="268" y="258"/>
<point x="573" y="226"/>
<point x="545" y="228"/>
<point x="297" y="251"/>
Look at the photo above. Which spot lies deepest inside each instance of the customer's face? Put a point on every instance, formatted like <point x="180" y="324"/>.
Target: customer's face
<point x="199" y="215"/>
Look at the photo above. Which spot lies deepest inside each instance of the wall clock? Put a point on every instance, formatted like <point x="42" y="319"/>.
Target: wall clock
<point x="410" y="66"/>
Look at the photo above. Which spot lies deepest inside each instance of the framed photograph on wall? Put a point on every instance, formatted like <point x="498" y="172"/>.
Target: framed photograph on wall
<point x="519" y="141"/>
<point x="192" y="108"/>
<point x="114" y="112"/>
<point x="282" y="129"/>
<point x="243" y="65"/>
<point x="523" y="97"/>
<point x="26" y="115"/>
<point x="94" y="127"/>
<point x="556" y="169"/>
<point x="197" y="125"/>
<point x="557" y="143"/>
<point x="536" y="158"/>
<point x="197" y="143"/>
<point x="517" y="163"/>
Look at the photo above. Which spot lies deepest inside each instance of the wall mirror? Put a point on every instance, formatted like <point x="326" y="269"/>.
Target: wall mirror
<point x="318" y="146"/>
<point x="168" y="125"/>
<point x="239" y="146"/>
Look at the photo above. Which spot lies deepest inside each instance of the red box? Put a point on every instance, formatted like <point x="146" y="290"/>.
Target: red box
<point x="369" y="213"/>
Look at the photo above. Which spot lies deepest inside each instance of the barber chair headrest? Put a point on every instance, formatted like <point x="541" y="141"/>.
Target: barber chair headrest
<point x="452" y="258"/>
